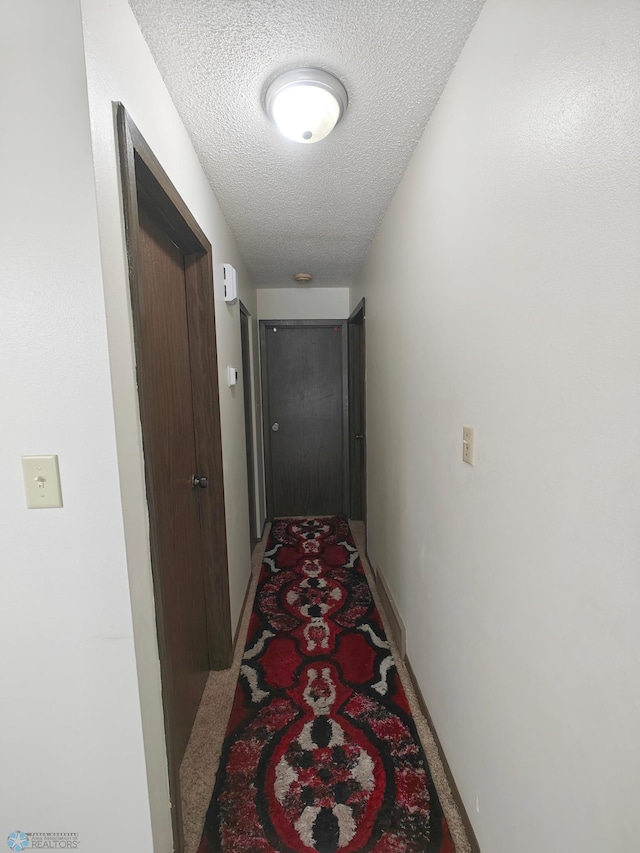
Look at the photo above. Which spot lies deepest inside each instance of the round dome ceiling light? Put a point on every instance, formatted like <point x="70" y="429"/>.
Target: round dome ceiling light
<point x="306" y="103"/>
<point x="303" y="277"/>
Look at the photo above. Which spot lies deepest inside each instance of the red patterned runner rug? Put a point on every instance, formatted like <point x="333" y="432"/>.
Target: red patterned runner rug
<point x="321" y="752"/>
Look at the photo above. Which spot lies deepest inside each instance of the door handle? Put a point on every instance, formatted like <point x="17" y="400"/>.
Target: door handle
<point x="359" y="436"/>
<point x="199" y="482"/>
<point x="275" y="427"/>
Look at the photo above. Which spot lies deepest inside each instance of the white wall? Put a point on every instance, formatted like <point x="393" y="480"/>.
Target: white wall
<point x="513" y="245"/>
<point x="120" y="68"/>
<point x="303" y="303"/>
<point x="82" y="669"/>
<point x="71" y="737"/>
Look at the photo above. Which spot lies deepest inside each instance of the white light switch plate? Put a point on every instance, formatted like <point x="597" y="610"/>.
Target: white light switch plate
<point x="468" y="444"/>
<point x="42" y="482"/>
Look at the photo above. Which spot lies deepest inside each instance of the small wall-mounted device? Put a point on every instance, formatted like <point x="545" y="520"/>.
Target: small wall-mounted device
<point x="232" y="376"/>
<point x="468" y="444"/>
<point x="230" y="277"/>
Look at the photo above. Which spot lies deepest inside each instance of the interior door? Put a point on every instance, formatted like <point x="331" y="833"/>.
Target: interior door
<point x="305" y="410"/>
<point x="164" y="372"/>
<point x="172" y="302"/>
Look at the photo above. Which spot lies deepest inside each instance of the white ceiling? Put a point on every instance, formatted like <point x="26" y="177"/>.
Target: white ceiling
<point x="292" y="207"/>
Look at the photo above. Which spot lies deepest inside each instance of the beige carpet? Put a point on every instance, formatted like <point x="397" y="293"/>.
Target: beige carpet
<point x="198" y="770"/>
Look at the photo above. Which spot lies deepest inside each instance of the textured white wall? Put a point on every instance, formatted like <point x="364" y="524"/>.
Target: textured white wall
<point x="71" y="737"/>
<point x="120" y="68"/>
<point x="303" y="303"/>
<point x="502" y="292"/>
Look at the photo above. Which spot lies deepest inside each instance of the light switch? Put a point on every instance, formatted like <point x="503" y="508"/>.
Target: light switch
<point x="468" y="444"/>
<point x="41" y="482"/>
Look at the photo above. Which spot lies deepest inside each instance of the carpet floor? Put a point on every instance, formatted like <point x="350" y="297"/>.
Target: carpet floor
<point x="321" y="751"/>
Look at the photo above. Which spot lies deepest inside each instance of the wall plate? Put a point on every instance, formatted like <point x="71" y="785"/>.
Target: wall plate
<point x="42" y="482"/>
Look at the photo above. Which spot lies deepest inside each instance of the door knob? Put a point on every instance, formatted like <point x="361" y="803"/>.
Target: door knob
<point x="199" y="482"/>
<point x="275" y="427"/>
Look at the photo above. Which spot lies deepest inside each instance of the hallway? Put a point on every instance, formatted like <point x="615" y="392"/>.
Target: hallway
<point x="481" y="193"/>
<point x="201" y="759"/>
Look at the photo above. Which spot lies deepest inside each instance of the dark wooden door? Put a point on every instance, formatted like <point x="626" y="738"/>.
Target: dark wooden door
<point x="171" y="277"/>
<point x="305" y="408"/>
<point x="357" y="428"/>
<point x="164" y="372"/>
<point x="248" y="419"/>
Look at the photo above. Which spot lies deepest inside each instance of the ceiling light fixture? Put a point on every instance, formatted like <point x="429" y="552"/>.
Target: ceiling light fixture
<point x="303" y="277"/>
<point x="306" y="103"/>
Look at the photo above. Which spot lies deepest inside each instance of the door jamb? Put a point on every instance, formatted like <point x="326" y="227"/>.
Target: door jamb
<point x="358" y="316"/>
<point x="247" y="373"/>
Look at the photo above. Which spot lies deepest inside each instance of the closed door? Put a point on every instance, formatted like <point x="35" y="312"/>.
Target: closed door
<point x="164" y="371"/>
<point x="305" y="410"/>
<point x="171" y="276"/>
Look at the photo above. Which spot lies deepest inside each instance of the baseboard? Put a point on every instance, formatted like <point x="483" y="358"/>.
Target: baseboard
<point x="254" y="542"/>
<point x="395" y="621"/>
<point x="371" y="566"/>
<point x="241" y="617"/>
<point x="246" y="592"/>
<point x="473" y="841"/>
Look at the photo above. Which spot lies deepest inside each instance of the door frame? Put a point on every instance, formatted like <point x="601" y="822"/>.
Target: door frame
<point x="264" y="324"/>
<point x="141" y="174"/>
<point x="249" y="420"/>
<point x="358" y="317"/>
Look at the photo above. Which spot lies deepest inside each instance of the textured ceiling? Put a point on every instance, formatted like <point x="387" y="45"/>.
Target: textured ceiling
<point x="299" y="207"/>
